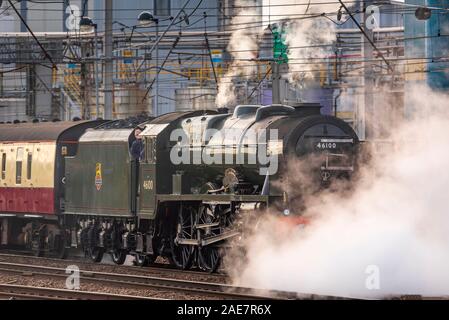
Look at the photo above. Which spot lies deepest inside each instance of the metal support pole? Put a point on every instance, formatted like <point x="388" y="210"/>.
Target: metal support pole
<point x="108" y="66"/>
<point x="96" y="75"/>
<point x="31" y="86"/>
<point x="276" y="83"/>
<point x="24" y="13"/>
<point x="368" y="120"/>
<point x="156" y="96"/>
<point x="85" y="114"/>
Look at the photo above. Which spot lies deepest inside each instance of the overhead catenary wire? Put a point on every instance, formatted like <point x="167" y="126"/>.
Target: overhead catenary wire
<point x="365" y="35"/>
<point x="47" y="56"/>
<point x="209" y="51"/>
<point x="323" y="14"/>
<point x="419" y="61"/>
<point x="159" y="68"/>
<point x="258" y="6"/>
<point x="294" y="61"/>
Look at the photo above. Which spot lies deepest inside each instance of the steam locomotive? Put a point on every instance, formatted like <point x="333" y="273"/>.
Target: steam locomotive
<point x="68" y="185"/>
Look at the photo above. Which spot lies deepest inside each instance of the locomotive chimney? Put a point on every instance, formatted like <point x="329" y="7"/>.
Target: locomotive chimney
<point x="223" y="110"/>
<point x="305" y="108"/>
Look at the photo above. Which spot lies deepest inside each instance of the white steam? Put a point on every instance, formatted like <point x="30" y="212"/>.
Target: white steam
<point x="394" y="222"/>
<point x="243" y="46"/>
<point x="308" y="34"/>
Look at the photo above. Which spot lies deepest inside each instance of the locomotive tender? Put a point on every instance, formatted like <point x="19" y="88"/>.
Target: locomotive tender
<point x="201" y="172"/>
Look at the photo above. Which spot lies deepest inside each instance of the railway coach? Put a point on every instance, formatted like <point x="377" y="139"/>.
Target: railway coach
<point x="32" y="182"/>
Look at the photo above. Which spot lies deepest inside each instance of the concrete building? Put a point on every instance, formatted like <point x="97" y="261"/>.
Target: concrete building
<point x="426" y="49"/>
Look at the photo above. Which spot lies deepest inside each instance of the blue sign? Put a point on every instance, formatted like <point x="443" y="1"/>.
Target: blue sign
<point x="128" y="57"/>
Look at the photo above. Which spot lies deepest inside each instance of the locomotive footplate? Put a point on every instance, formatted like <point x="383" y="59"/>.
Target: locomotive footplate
<point x="205" y="198"/>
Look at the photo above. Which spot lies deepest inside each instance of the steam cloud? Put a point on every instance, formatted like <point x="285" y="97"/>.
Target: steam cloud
<point x="393" y="222"/>
<point x="243" y="46"/>
<point x="307" y="34"/>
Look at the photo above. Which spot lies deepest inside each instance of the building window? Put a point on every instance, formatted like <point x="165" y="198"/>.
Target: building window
<point x="29" y="162"/>
<point x="162" y="8"/>
<point x="3" y="166"/>
<point x="19" y="159"/>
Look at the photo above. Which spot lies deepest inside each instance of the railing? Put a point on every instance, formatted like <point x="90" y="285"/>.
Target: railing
<point x="72" y="85"/>
<point x="71" y="105"/>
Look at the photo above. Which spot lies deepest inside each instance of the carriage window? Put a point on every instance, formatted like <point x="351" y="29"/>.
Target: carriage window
<point x="29" y="162"/>
<point x="19" y="158"/>
<point x="3" y="166"/>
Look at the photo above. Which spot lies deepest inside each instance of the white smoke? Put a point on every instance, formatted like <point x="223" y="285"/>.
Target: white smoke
<point x="389" y="236"/>
<point x="243" y="47"/>
<point x="308" y="34"/>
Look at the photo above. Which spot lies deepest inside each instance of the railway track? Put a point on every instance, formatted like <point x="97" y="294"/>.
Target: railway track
<point x="13" y="292"/>
<point x="209" y="289"/>
<point x="156" y="267"/>
<point x="223" y="291"/>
